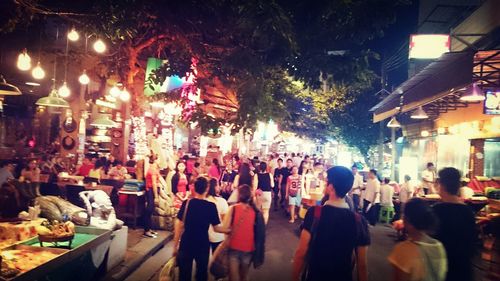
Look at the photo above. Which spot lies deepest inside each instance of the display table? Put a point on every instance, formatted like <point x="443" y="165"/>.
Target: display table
<point x="131" y="206"/>
<point x="78" y="263"/>
<point x="13" y="232"/>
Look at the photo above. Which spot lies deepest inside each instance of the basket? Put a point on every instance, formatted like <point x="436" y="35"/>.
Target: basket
<point x="56" y="239"/>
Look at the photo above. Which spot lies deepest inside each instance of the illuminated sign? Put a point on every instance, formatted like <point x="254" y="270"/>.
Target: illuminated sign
<point x="428" y="46"/>
<point x="492" y="103"/>
<point x="170" y="83"/>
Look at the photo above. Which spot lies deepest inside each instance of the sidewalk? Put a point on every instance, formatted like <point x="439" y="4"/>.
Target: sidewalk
<point x="139" y="249"/>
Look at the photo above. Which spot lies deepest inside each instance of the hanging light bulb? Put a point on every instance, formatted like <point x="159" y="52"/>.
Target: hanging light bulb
<point x="99" y="46"/>
<point x="38" y="72"/>
<point x="24" y="61"/>
<point x="115" y="91"/>
<point x="125" y="95"/>
<point x="84" y="78"/>
<point x="64" y="91"/>
<point x="73" y="35"/>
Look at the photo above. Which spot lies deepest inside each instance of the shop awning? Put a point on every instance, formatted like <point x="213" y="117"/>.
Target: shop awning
<point x="446" y="75"/>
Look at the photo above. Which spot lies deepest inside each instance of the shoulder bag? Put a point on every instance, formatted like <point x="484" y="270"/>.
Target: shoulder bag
<point x="219" y="267"/>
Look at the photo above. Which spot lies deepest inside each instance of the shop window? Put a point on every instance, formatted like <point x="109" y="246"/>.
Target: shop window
<point x="492" y="158"/>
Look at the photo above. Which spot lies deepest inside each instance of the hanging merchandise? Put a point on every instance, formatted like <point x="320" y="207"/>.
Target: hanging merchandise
<point x="140" y="137"/>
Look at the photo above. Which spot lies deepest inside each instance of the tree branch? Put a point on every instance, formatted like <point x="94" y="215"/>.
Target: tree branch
<point x="138" y="48"/>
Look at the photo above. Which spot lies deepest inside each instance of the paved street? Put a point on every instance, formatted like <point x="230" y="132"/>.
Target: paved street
<point x="281" y="242"/>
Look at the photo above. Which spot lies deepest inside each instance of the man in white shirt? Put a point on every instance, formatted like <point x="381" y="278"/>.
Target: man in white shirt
<point x="357" y="186"/>
<point x="371" y="202"/>
<point x="429" y="179"/>
<point x="407" y="190"/>
<point x="386" y="193"/>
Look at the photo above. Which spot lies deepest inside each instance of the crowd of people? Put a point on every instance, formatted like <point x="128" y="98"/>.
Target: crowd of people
<point x="220" y="206"/>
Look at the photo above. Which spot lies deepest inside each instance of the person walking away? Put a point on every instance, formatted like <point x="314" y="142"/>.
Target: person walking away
<point x="244" y="176"/>
<point x="283" y="180"/>
<point x="371" y="202"/>
<point x="241" y="220"/>
<point x="293" y="190"/>
<point x="277" y="184"/>
<point x="180" y="185"/>
<point x="457" y="228"/>
<point x="265" y="184"/>
<point x="213" y="196"/>
<point x="318" y="180"/>
<point x="420" y="257"/>
<point x="357" y="186"/>
<point x="332" y="235"/>
<point x="406" y="192"/>
<point x="193" y="220"/>
<point x="152" y="180"/>
<point x="386" y="194"/>
<point x="214" y="171"/>
<point x="429" y="179"/>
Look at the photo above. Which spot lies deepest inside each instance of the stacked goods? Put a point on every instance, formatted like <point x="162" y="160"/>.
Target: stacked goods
<point x="21" y="259"/>
<point x="56" y="230"/>
<point x="56" y="209"/>
<point x="133" y="185"/>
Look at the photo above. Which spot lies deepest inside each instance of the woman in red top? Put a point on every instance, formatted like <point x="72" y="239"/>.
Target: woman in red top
<point x="180" y="185"/>
<point x="152" y="179"/>
<point x="241" y="218"/>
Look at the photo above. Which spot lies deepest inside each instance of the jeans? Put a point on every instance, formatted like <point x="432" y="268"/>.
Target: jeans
<point x="355" y="201"/>
<point x="185" y="260"/>
<point x="283" y="195"/>
<point x="372" y="214"/>
<point x="148" y="211"/>
<point x="239" y="264"/>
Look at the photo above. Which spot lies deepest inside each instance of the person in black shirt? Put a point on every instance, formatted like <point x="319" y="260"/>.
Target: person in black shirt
<point x="193" y="226"/>
<point x="331" y="234"/>
<point x="285" y="172"/>
<point x="457" y="228"/>
<point x="276" y="188"/>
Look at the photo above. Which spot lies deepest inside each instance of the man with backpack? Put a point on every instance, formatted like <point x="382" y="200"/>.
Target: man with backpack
<point x="334" y="239"/>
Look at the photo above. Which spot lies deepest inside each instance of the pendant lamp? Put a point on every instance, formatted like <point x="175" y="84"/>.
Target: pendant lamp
<point x="103" y="122"/>
<point x="52" y="100"/>
<point x="7" y="89"/>
<point x="474" y="94"/>
<point x="419" y="113"/>
<point x="393" y="123"/>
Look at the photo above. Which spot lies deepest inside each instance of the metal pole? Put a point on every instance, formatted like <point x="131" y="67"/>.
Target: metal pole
<point x="393" y="153"/>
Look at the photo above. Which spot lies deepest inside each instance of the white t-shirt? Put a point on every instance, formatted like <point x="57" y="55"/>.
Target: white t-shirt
<point x="372" y="191"/>
<point x="421" y="260"/>
<point x="406" y="191"/>
<point x="357" y="185"/>
<point x="466" y="192"/>
<point x="296" y="161"/>
<point x="386" y="193"/>
<point x="222" y="209"/>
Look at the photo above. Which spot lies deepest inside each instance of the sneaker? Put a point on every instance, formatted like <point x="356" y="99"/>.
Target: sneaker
<point x="149" y="235"/>
<point x="153" y="232"/>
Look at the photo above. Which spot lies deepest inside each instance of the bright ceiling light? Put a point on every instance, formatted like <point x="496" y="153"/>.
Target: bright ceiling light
<point x="84" y="78"/>
<point x="473" y="94"/>
<point x="64" y="91"/>
<point x="24" y="61"/>
<point x="424" y="133"/>
<point x="33" y="84"/>
<point x="52" y="100"/>
<point x="419" y="113"/>
<point x="115" y="91"/>
<point x="99" y="46"/>
<point x="393" y="123"/>
<point x="124" y="95"/>
<point x="38" y="72"/>
<point x="73" y="35"/>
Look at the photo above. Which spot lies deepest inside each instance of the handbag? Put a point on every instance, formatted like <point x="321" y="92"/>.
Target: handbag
<point x="170" y="271"/>
<point x="219" y="267"/>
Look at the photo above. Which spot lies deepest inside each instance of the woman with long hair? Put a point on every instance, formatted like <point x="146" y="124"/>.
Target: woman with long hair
<point x="420" y="257"/>
<point x="98" y="172"/>
<point x="180" y="185"/>
<point x="244" y="176"/>
<point x="241" y="219"/>
<point x="214" y="171"/>
<point x="222" y="209"/>
<point x="152" y="180"/>
<point x="31" y="173"/>
<point x="265" y="185"/>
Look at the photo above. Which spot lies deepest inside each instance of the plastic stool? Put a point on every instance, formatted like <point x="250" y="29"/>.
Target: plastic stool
<point x="386" y="214"/>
